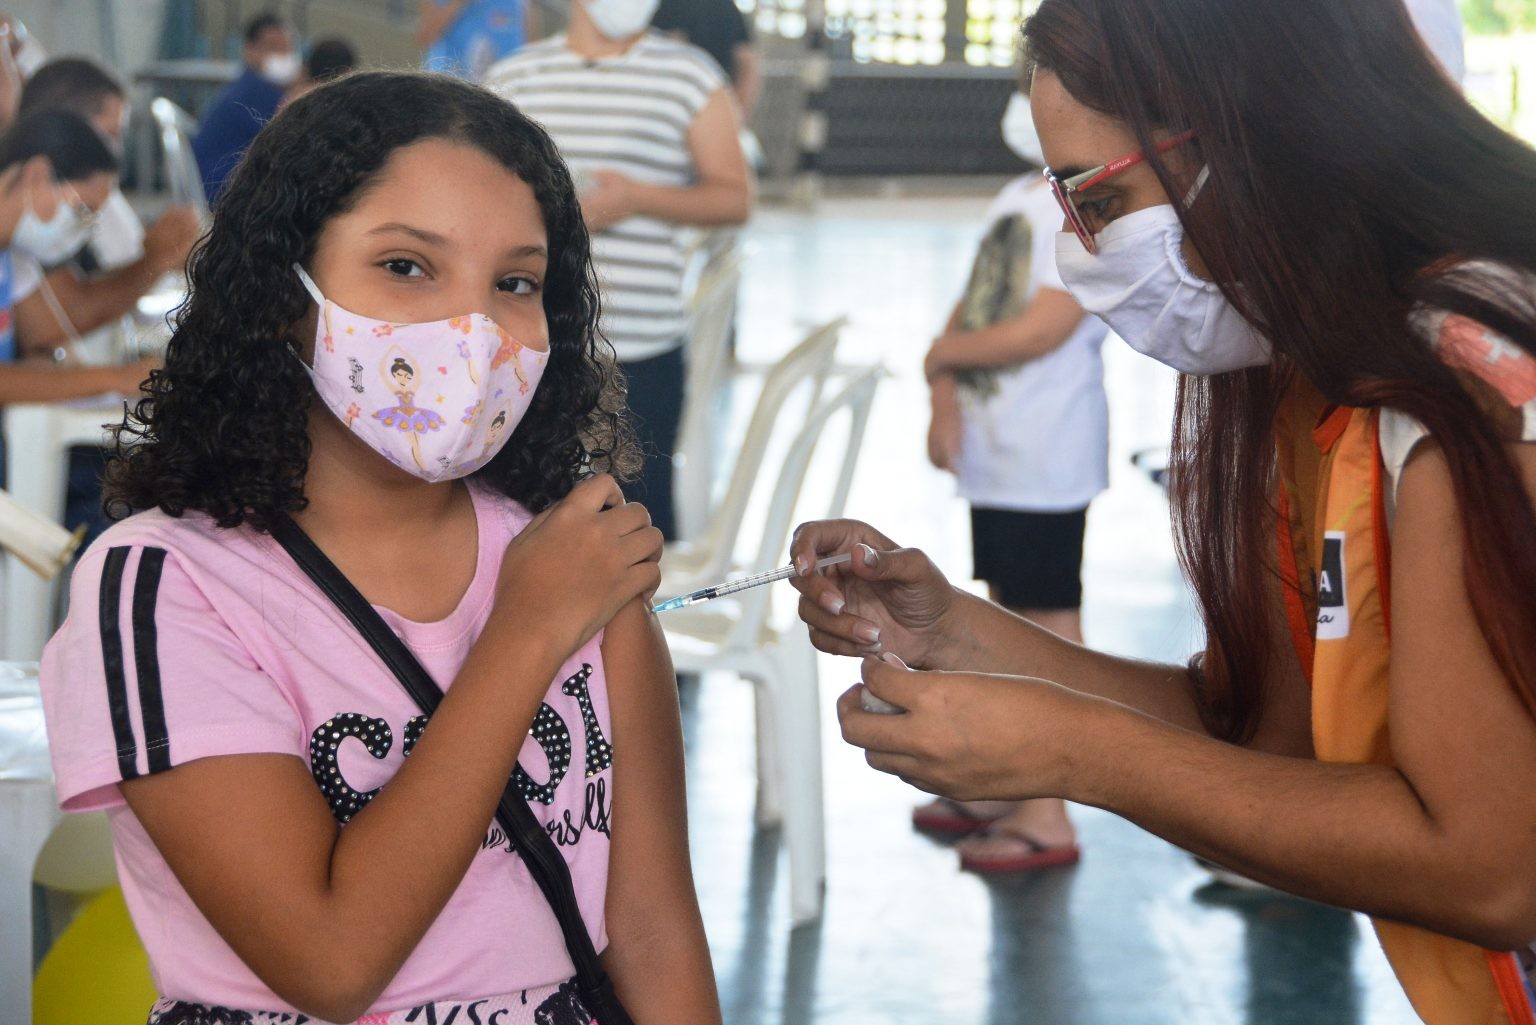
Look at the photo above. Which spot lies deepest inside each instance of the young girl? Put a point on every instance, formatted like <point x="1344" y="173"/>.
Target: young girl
<point x="1342" y="264"/>
<point x="293" y="834"/>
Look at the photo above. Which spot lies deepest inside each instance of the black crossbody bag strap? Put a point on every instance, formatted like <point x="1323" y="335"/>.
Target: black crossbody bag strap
<point x="538" y="851"/>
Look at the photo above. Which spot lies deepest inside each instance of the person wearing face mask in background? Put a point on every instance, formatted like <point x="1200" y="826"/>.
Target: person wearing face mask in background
<point x="272" y="64"/>
<point x="55" y="172"/>
<point x="89" y="90"/>
<point x="1021" y="419"/>
<point x="1343" y="266"/>
<point x="48" y="320"/>
<point x="651" y="132"/>
<point x="120" y="259"/>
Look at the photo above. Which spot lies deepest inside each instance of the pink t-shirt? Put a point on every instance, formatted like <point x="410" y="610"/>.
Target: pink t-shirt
<point x="186" y="641"/>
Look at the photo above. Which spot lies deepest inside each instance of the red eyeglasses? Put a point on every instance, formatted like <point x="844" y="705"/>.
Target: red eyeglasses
<point x="1065" y="188"/>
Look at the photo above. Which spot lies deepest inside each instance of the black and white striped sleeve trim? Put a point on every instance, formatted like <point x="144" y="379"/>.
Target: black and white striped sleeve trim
<point x="140" y="597"/>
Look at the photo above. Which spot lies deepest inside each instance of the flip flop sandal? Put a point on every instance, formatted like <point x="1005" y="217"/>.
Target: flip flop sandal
<point x="950" y="818"/>
<point x="1026" y="855"/>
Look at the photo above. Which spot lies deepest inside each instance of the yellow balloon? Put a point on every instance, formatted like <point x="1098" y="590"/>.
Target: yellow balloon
<point x="97" y="972"/>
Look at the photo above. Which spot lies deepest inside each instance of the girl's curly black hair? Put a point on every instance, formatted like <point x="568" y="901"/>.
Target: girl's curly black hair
<point x="223" y="427"/>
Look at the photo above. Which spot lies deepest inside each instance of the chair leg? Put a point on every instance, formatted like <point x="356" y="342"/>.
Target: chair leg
<point x="794" y="684"/>
<point x="770" y="770"/>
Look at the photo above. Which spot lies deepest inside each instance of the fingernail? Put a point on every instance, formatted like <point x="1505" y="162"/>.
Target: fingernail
<point x="867" y="632"/>
<point x="833" y="604"/>
<point x="803" y="566"/>
<point x="869" y="555"/>
<point x="890" y="658"/>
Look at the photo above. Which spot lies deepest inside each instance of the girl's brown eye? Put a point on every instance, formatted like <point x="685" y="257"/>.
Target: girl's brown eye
<point x="518" y="285"/>
<point x="402" y="267"/>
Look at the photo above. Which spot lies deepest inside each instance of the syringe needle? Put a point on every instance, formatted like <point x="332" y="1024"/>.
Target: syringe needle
<point x="743" y="584"/>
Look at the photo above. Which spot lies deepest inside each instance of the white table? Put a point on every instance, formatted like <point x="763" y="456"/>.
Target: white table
<point x="28" y="813"/>
<point x="37" y="439"/>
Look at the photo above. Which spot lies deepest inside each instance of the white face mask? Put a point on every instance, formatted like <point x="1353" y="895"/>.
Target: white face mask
<point x="281" y="68"/>
<point x="1140" y="286"/>
<point x="53" y="241"/>
<point x="620" y="19"/>
<point x="1019" y="130"/>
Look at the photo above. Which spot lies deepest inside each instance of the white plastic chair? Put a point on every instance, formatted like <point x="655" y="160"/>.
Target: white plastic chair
<point x="712" y="311"/>
<point x="737" y="635"/>
<point x="38" y="437"/>
<point x="689" y="564"/>
<point x="181" y="171"/>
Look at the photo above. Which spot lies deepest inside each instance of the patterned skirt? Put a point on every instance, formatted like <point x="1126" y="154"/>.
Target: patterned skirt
<point x="551" y="1005"/>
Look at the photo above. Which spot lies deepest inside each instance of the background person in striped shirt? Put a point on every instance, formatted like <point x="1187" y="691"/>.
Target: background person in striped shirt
<point x="650" y="130"/>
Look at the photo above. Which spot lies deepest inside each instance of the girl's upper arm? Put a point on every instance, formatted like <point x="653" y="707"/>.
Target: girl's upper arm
<point x="642" y="693"/>
<point x="1459" y="731"/>
<point x="658" y="955"/>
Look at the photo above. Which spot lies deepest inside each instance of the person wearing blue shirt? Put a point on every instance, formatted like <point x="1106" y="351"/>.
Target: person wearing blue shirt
<point x="465" y="37"/>
<point x="272" y="64"/>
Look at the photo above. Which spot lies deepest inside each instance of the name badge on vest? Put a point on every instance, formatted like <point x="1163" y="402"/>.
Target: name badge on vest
<point x="1332" y="610"/>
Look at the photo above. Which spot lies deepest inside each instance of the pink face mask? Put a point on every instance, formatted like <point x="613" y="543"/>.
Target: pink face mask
<point x="438" y="400"/>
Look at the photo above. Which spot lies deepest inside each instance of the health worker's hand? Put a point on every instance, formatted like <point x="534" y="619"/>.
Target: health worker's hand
<point x="970" y="736"/>
<point x="885" y="599"/>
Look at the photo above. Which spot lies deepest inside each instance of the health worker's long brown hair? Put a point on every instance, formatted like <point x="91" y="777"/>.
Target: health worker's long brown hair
<point x="1350" y="182"/>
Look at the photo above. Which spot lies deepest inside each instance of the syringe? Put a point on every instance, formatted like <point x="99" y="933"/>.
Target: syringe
<point x="732" y="586"/>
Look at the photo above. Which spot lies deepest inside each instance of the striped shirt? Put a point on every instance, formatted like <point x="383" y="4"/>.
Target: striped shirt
<point x="628" y="113"/>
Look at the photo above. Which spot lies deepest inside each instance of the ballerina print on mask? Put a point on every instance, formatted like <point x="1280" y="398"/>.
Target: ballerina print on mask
<point x="511" y="349"/>
<point x="405" y="416"/>
<point x="493" y="433"/>
<point x="466" y="324"/>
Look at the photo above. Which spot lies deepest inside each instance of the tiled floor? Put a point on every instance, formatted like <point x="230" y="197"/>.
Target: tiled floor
<point x="1136" y="933"/>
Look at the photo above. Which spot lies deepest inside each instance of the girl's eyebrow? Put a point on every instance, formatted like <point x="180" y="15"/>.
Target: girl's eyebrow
<point x="420" y="234"/>
<point x="431" y="238"/>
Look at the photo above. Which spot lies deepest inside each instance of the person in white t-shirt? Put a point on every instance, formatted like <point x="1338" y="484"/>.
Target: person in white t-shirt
<point x="1020" y="417"/>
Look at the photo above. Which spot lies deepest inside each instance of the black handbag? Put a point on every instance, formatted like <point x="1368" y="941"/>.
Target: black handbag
<point x="538" y="851"/>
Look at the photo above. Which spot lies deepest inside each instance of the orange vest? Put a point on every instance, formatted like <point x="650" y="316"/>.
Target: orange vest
<point x="1335" y="556"/>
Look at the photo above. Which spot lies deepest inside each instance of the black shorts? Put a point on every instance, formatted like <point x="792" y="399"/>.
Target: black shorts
<point x="1033" y="560"/>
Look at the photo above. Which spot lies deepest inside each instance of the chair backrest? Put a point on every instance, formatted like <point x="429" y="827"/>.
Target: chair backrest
<point x="806" y="365"/>
<point x="181" y="171"/>
<point x="857" y="397"/>
<point x="712" y="312"/>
